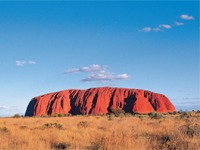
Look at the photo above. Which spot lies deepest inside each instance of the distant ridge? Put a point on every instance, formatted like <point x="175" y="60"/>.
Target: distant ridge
<point x="99" y="101"/>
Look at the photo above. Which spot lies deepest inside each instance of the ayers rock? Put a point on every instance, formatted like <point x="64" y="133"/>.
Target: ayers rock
<point x="98" y="101"/>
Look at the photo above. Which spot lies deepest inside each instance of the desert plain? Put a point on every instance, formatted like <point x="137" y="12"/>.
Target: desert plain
<point x="178" y="130"/>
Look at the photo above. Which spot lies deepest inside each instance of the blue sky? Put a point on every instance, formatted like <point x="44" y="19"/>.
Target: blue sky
<point x="52" y="46"/>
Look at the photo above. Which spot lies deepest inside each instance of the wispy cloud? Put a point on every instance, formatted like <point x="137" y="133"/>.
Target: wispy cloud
<point x="8" y="110"/>
<point x="179" y="23"/>
<point x="23" y="62"/>
<point x="186" y="17"/>
<point x="149" y="29"/>
<point x="162" y="27"/>
<point x="2" y="107"/>
<point x="186" y="103"/>
<point x="31" y="62"/>
<point x="186" y="98"/>
<point x="157" y="29"/>
<point x="91" y="68"/>
<point x="146" y="29"/>
<point x="20" y="62"/>
<point x="105" y="77"/>
<point x="166" y="26"/>
<point x="98" y="73"/>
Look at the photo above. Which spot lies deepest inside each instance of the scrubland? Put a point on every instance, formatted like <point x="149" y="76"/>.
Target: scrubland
<point x="123" y="131"/>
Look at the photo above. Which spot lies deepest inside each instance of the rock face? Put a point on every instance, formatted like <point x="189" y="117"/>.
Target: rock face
<point x="98" y="101"/>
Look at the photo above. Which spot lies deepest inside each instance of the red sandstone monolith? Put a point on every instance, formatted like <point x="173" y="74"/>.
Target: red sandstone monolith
<point x="97" y="101"/>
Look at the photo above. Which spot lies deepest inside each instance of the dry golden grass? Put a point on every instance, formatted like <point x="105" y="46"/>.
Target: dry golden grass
<point x="100" y="132"/>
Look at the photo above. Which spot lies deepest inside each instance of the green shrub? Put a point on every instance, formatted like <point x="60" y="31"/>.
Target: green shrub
<point x="16" y="116"/>
<point x="23" y="127"/>
<point x="58" y="115"/>
<point x="141" y="116"/>
<point x="67" y="115"/>
<point x="117" y="111"/>
<point x="94" y="146"/>
<point x="111" y="116"/>
<point x="52" y="125"/>
<point x="4" y="129"/>
<point x="44" y="115"/>
<point x="155" y="115"/>
<point x="173" y="113"/>
<point x="170" y="142"/>
<point x="190" y="130"/>
<point x="185" y="114"/>
<point x="129" y="115"/>
<point x="60" y="145"/>
<point x="54" y="115"/>
<point x="82" y="124"/>
<point x="121" y="115"/>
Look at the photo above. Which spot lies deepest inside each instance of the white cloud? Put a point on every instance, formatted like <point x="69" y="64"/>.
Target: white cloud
<point x="179" y="23"/>
<point x="107" y="77"/>
<point x="72" y="70"/>
<point x="3" y="107"/>
<point x="91" y="68"/>
<point x="187" y="104"/>
<point x="20" y="62"/>
<point x="23" y="62"/>
<point x="8" y="110"/>
<point x="166" y="26"/>
<point x="149" y="29"/>
<point x="31" y="62"/>
<point x="156" y="29"/>
<point x="186" y="17"/>
<point x="98" y="73"/>
<point x="146" y="29"/>
<point x="186" y="98"/>
<point x="122" y="76"/>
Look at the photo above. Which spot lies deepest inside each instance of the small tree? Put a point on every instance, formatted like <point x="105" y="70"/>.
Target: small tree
<point x="16" y="116"/>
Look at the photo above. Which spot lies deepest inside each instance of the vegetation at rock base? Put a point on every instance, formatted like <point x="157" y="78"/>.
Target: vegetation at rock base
<point x="16" y="116"/>
<point x="53" y="125"/>
<point x="129" y="131"/>
<point x="155" y="115"/>
<point x="118" y="112"/>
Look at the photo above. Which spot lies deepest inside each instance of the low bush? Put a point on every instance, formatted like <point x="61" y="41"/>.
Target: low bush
<point x="44" y="115"/>
<point x="168" y="142"/>
<point x="53" y="125"/>
<point x="173" y="113"/>
<point x="82" y="124"/>
<point x="111" y="116"/>
<point x="67" y="115"/>
<point x="60" y="145"/>
<point x="155" y="115"/>
<point x="141" y="116"/>
<point x="57" y="115"/>
<point x="4" y="129"/>
<point x="185" y="114"/>
<point x="117" y="112"/>
<point x="23" y="127"/>
<point x="94" y="146"/>
<point x="190" y="130"/>
<point x="16" y="116"/>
